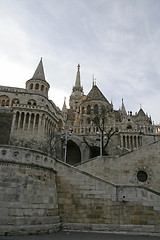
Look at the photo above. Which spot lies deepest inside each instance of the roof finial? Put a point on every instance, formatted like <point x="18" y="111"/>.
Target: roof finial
<point x="78" y="81"/>
<point x="78" y="66"/>
<point x="93" y="80"/>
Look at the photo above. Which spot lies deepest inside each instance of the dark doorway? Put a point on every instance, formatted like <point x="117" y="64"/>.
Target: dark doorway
<point x="73" y="153"/>
<point x="94" y="152"/>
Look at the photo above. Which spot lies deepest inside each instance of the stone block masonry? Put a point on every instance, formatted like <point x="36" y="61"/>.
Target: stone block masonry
<point x="39" y="195"/>
<point x="88" y="203"/>
<point x="122" y="170"/>
<point x="28" y="197"/>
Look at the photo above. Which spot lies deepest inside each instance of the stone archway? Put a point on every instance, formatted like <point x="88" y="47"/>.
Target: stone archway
<point x="73" y="153"/>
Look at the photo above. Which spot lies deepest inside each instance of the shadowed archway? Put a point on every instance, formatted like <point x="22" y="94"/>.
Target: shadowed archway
<point x="73" y="153"/>
<point x="94" y="151"/>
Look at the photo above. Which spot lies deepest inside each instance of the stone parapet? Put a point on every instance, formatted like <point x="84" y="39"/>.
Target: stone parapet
<point x="28" y="192"/>
<point x="26" y="156"/>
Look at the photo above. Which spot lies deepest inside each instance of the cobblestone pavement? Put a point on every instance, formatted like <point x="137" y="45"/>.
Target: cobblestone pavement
<point x="79" y="236"/>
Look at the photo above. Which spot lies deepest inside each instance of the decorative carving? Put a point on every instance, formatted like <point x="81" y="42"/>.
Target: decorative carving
<point x="143" y="175"/>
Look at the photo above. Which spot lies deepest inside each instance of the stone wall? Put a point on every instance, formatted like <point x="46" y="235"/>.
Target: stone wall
<point x="34" y="198"/>
<point x="5" y="126"/>
<point x="88" y="203"/>
<point x="122" y="170"/>
<point x="28" y="193"/>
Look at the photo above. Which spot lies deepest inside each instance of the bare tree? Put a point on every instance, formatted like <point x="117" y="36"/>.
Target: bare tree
<point x="51" y="142"/>
<point x="105" y="136"/>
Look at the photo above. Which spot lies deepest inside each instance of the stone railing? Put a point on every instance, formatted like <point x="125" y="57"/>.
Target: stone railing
<point x="26" y="156"/>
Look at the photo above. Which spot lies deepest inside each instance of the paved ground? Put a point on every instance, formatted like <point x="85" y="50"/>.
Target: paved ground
<point x="79" y="236"/>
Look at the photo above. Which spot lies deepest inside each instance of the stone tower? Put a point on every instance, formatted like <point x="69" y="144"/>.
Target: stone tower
<point x="37" y="82"/>
<point x="77" y="91"/>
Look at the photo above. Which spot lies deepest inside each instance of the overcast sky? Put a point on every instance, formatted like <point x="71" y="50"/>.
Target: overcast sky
<point x="116" y="40"/>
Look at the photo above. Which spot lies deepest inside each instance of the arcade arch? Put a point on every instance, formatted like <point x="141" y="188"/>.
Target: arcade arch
<point x="73" y="153"/>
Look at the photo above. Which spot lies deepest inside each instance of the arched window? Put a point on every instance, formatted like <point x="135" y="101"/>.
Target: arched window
<point x="17" y="119"/>
<point x="31" y="86"/>
<point x="135" y="141"/>
<point x="88" y="120"/>
<point x="131" y="139"/>
<point x="88" y="109"/>
<point x="7" y="103"/>
<point x="83" y="111"/>
<point x="22" y="120"/>
<point x="42" y="88"/>
<point x="15" y="101"/>
<point x="96" y="109"/>
<point x="37" y="86"/>
<point x="37" y="121"/>
<point x="124" y="141"/>
<point x="27" y="121"/>
<point x="32" y="102"/>
<point x="32" y="120"/>
<point x="128" y="142"/>
<point x="3" y="103"/>
<point x="4" y="100"/>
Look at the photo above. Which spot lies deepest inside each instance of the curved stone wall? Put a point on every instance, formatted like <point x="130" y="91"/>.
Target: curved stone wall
<point x="28" y="194"/>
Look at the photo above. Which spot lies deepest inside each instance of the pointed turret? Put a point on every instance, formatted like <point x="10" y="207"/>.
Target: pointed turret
<point x="78" y="80"/>
<point x="37" y="83"/>
<point x="64" y="108"/>
<point x="77" y="91"/>
<point x="123" y="109"/>
<point x="78" y="86"/>
<point x="39" y="73"/>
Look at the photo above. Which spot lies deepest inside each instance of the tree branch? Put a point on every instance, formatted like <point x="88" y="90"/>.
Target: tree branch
<point x="86" y="142"/>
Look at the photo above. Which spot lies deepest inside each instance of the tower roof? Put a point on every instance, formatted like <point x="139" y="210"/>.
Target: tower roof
<point x="64" y="108"/>
<point x="96" y="94"/>
<point x="78" y="80"/>
<point x="39" y="73"/>
<point x="123" y="110"/>
<point x="141" y="112"/>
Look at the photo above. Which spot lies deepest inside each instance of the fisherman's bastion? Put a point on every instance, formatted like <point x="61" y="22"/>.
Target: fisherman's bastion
<point x="88" y="167"/>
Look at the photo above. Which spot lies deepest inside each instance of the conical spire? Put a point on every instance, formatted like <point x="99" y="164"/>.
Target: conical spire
<point x="123" y="110"/>
<point x="77" y="91"/>
<point x="64" y="108"/>
<point x="78" y="80"/>
<point x="39" y="73"/>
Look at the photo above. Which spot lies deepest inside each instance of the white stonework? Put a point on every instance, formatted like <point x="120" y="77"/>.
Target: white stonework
<point x="88" y="168"/>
